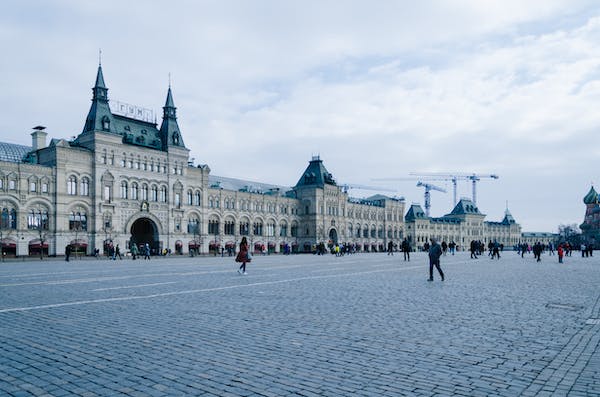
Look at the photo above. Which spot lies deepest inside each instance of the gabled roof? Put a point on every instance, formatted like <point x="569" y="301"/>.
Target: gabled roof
<point x="415" y="212"/>
<point x="508" y="218"/>
<point x="591" y="197"/>
<point x="316" y="175"/>
<point x="465" y="207"/>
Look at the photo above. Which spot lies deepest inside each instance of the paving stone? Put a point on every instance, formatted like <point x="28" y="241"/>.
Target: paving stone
<point x="302" y="325"/>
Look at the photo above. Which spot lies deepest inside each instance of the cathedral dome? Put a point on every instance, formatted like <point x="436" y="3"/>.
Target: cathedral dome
<point x="591" y="197"/>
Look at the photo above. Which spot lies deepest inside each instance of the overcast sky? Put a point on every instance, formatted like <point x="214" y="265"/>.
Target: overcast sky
<point x="377" y="89"/>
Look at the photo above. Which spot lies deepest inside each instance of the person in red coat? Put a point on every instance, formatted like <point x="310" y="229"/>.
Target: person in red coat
<point x="243" y="256"/>
<point x="560" y="252"/>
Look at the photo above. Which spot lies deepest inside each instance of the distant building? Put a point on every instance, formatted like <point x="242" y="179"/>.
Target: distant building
<point x="464" y="224"/>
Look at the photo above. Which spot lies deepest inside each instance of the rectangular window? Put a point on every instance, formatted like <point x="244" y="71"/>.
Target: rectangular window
<point x="32" y="186"/>
<point x="44" y="188"/>
<point x="12" y="184"/>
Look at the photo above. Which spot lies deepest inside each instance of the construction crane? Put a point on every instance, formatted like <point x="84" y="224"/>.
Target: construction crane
<point x="454" y="177"/>
<point x="428" y="188"/>
<point x="347" y="186"/>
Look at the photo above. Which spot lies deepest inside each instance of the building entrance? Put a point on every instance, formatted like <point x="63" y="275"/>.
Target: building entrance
<point x="144" y="231"/>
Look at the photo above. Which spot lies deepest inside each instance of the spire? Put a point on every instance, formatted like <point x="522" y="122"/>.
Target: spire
<point x="99" y="117"/>
<point x="169" y="103"/>
<point x="169" y="130"/>
<point x="100" y="90"/>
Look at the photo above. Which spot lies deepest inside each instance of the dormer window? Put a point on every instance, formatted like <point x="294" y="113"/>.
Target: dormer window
<point x="105" y="123"/>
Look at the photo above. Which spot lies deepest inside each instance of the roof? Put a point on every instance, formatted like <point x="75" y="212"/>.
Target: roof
<point x="316" y="175"/>
<point x="242" y="185"/>
<point x="464" y="207"/>
<point x="591" y="197"/>
<point x="138" y="132"/>
<point x="13" y="153"/>
<point x="415" y="212"/>
<point x="508" y="218"/>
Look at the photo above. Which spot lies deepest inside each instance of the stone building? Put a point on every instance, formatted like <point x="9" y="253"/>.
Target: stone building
<point x="464" y="224"/>
<point x="124" y="179"/>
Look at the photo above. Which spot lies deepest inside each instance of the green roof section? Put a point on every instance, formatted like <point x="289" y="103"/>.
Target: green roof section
<point x="591" y="197"/>
<point x="508" y="218"/>
<point x="465" y="207"/>
<point x="316" y="175"/>
<point x="415" y="212"/>
<point x="169" y="129"/>
<point x="99" y="118"/>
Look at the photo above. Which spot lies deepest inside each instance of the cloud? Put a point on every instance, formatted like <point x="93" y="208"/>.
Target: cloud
<point x="378" y="89"/>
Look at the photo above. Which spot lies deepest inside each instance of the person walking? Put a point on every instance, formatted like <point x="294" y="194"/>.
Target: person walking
<point x="390" y="250"/>
<point x="134" y="251"/>
<point x="435" y="251"/>
<point x="406" y="250"/>
<point x="473" y="249"/>
<point x="243" y="256"/>
<point x="147" y="251"/>
<point x="67" y="252"/>
<point x="118" y="253"/>
<point x="560" y="253"/>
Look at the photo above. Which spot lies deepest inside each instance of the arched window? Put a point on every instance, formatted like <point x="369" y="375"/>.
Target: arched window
<point x="197" y="198"/>
<point x="84" y="188"/>
<point x="9" y="218"/>
<point x="78" y="220"/>
<point x="154" y="194"/>
<point x="190" y="197"/>
<point x="213" y="226"/>
<point x="144" y="192"/>
<point x="229" y="228"/>
<point x="124" y="190"/>
<point x="134" y="191"/>
<point x="163" y="195"/>
<point x="37" y="219"/>
<point x="193" y="225"/>
<point x="244" y="228"/>
<point x="72" y="185"/>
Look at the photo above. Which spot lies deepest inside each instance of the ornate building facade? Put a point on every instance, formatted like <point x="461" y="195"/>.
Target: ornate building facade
<point x="464" y="224"/>
<point x="126" y="180"/>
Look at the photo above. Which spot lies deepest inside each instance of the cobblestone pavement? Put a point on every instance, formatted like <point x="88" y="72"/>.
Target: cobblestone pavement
<point x="362" y="325"/>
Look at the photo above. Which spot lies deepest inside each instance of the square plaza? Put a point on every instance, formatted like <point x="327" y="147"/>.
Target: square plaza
<point x="306" y="325"/>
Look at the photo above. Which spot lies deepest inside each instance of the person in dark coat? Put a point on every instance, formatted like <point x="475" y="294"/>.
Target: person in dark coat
<point x="406" y="250"/>
<point x="67" y="252"/>
<point x="243" y="256"/>
<point x="435" y="252"/>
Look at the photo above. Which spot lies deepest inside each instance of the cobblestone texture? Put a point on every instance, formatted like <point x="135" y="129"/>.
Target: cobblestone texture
<point x="362" y="325"/>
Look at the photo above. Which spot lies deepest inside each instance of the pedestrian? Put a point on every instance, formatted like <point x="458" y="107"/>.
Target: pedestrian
<point x="147" y="251"/>
<point x="67" y="252"/>
<point x="473" y="249"/>
<point x="118" y="253"/>
<point x="435" y="251"/>
<point x="243" y="256"/>
<point x="134" y="251"/>
<point x="496" y="250"/>
<point x="444" y="247"/>
<point x="560" y="253"/>
<point x="390" y="250"/>
<point x="406" y="249"/>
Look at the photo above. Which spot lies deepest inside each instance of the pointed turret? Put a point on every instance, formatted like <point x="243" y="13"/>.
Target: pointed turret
<point x="99" y="117"/>
<point x="169" y="130"/>
<point x="508" y="218"/>
<point x="316" y="174"/>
